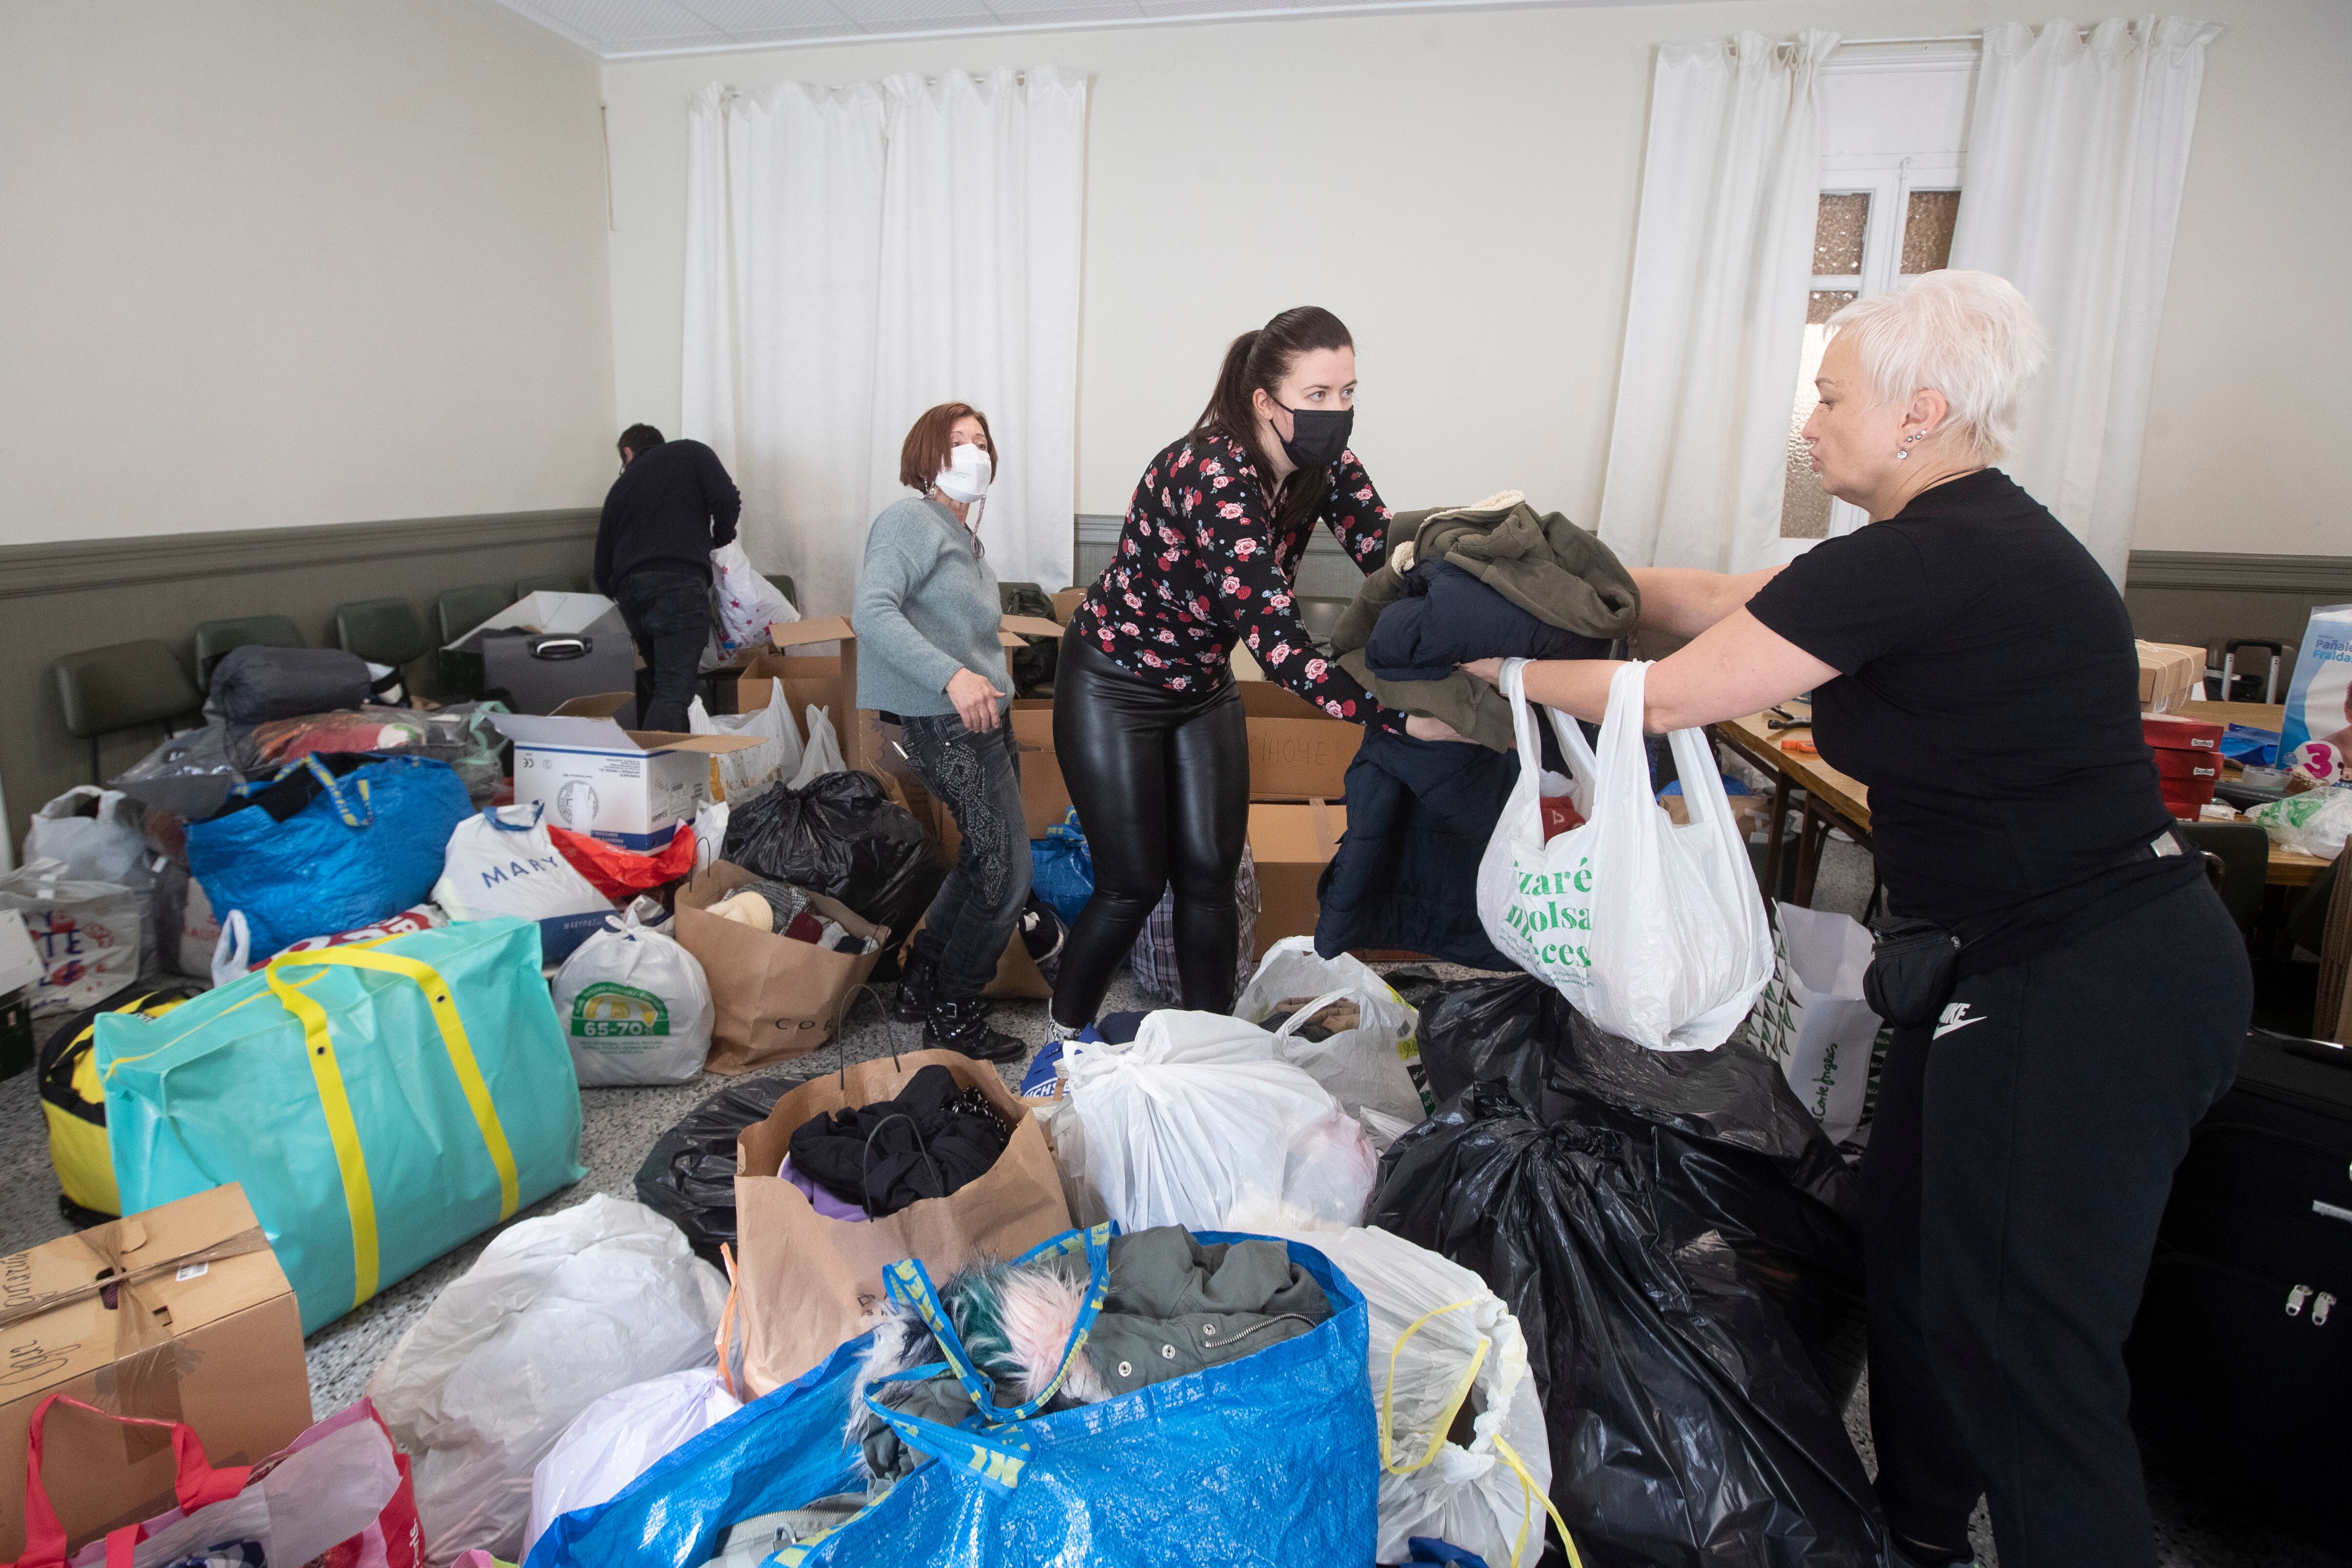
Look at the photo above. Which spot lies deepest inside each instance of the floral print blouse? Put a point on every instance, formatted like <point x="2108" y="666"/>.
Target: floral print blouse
<point x="1202" y="564"/>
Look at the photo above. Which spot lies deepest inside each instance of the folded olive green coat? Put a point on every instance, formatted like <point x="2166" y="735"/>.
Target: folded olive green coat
<point x="1540" y="561"/>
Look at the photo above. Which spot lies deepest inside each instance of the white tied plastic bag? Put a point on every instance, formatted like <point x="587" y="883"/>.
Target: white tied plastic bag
<point x="87" y="934"/>
<point x="1441" y="1339"/>
<point x="636" y="1007"/>
<point x="503" y="862"/>
<point x="1367" y="1069"/>
<point x="2315" y="822"/>
<point x="1812" y="1017"/>
<point x="557" y="1312"/>
<point x="748" y="603"/>
<point x="1654" y="930"/>
<point x="821" y="754"/>
<point x="1197" y="1118"/>
<point x="617" y="1439"/>
<point x="743" y="774"/>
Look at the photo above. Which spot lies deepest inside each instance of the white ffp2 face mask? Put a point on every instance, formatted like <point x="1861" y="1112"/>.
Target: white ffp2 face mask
<point x="966" y="476"/>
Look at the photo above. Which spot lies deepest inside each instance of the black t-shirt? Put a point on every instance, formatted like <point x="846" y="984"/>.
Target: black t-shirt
<point x="1989" y="695"/>
<point x="671" y="507"/>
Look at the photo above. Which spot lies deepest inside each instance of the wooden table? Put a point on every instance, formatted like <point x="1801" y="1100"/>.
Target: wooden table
<point x="1837" y="799"/>
<point x="1832" y="799"/>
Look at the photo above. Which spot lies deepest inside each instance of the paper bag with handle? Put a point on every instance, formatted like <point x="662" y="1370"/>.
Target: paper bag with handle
<point x="804" y="1283"/>
<point x="771" y="997"/>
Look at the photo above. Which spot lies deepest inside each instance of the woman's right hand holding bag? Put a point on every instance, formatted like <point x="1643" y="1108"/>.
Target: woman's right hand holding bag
<point x="1654" y="930"/>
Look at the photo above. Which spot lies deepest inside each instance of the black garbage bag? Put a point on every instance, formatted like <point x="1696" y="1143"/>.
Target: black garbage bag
<point x="690" y="1173"/>
<point x="1680" y="1246"/>
<point x="841" y="836"/>
<point x="1034" y="664"/>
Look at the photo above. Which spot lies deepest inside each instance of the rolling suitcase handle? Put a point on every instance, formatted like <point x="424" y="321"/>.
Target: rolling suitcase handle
<point x="2229" y="667"/>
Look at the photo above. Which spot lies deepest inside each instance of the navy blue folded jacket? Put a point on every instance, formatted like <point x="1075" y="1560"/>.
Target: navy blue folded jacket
<point x="1450" y="617"/>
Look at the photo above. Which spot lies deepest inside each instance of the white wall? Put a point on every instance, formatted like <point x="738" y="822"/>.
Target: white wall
<point x="1461" y="186"/>
<point x="271" y="262"/>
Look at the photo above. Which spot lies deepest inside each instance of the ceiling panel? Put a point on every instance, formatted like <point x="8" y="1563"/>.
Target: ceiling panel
<point x="632" y="29"/>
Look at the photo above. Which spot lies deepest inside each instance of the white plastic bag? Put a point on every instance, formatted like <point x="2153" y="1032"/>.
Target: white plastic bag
<point x="636" y="1007"/>
<point x="1197" y="1117"/>
<point x="106" y="847"/>
<point x="87" y="934"/>
<point x="1654" y="930"/>
<point x="557" y="1312"/>
<point x="2315" y="822"/>
<point x="748" y="603"/>
<point x="503" y="862"/>
<point x="326" y="1490"/>
<point x="617" y="1439"/>
<point x="709" y="832"/>
<point x="822" y="755"/>
<point x="1369" y="1068"/>
<point x="1812" y="1017"/>
<point x="1441" y="1340"/>
<point x="743" y="774"/>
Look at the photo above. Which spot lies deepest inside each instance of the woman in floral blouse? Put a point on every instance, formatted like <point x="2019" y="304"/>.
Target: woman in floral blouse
<point x="1147" y="721"/>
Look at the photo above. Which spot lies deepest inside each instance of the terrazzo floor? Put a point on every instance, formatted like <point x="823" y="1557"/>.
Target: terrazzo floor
<point x="621" y="1126"/>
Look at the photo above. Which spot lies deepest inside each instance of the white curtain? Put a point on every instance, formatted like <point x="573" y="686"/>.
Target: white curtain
<point x="1715" y="325"/>
<point x="982" y="202"/>
<point x="856" y="254"/>
<point x="2078" y="149"/>
<point x="783" y="241"/>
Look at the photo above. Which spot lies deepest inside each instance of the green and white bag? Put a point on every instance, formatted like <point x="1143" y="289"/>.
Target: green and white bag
<point x="1652" y="929"/>
<point x="636" y="1007"/>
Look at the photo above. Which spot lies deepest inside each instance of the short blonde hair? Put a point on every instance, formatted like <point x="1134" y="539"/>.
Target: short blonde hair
<point x="1968" y="335"/>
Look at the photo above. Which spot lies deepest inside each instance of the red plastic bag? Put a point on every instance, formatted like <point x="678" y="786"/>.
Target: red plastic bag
<point x="621" y="874"/>
<point x="339" y="1494"/>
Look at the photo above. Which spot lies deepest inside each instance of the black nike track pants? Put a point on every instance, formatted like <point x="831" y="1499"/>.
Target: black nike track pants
<point x="2019" y="1161"/>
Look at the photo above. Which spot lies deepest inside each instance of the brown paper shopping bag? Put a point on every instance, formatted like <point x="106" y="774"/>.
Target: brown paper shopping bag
<point x="771" y="998"/>
<point x="804" y="1283"/>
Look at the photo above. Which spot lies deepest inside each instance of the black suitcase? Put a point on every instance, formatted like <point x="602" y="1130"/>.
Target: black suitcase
<point x="2241" y="1357"/>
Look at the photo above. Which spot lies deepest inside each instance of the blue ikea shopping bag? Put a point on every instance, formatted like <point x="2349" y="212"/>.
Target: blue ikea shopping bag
<point x="1273" y="1458"/>
<point x="311" y="854"/>
<point x="379" y="1103"/>
<point x="1062" y="869"/>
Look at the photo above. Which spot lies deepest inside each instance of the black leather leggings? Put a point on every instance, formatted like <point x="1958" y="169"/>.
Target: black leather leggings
<point x="1161" y="779"/>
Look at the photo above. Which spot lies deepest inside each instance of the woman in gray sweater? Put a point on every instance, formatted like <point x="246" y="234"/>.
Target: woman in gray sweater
<point x="927" y="655"/>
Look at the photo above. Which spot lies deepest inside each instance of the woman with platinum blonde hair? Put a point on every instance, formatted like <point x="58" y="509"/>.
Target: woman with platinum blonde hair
<point x="2073" y="996"/>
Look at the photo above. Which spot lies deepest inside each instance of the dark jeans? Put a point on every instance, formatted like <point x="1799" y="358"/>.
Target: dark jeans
<point x="972" y="920"/>
<point x="668" y="613"/>
<point x="2019" y="1161"/>
<point x="1161" y="779"/>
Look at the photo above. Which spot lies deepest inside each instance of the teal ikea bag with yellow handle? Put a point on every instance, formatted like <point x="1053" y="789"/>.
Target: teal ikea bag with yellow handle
<point x="379" y="1103"/>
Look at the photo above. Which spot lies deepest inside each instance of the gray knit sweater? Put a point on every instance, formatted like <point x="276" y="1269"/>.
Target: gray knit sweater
<point x="927" y="607"/>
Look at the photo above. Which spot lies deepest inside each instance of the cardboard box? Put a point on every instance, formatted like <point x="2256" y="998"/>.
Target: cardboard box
<point x="204" y="1329"/>
<point x="1291" y="845"/>
<point x="1296" y="753"/>
<point x="2170" y="673"/>
<point x="626" y="786"/>
<point x="1066" y="602"/>
<point x="830" y="680"/>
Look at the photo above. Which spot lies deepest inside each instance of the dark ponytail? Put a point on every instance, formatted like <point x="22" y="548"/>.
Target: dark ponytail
<point x="1259" y="360"/>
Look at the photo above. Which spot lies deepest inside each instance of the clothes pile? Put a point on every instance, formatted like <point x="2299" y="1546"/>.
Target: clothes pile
<point x="934" y="1137"/>
<point x="1498" y="580"/>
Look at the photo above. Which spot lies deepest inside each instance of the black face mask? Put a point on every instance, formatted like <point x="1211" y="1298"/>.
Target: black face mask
<point x="1317" y="435"/>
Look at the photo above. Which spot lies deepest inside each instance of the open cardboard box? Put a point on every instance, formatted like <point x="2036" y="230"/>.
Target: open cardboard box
<point x="628" y="787"/>
<point x="1291" y="845"/>
<point x="1297" y="752"/>
<point x="830" y="680"/>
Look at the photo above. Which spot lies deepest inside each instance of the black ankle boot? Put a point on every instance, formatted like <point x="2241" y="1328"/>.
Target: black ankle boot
<point x="916" y="979"/>
<point x="963" y="1026"/>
